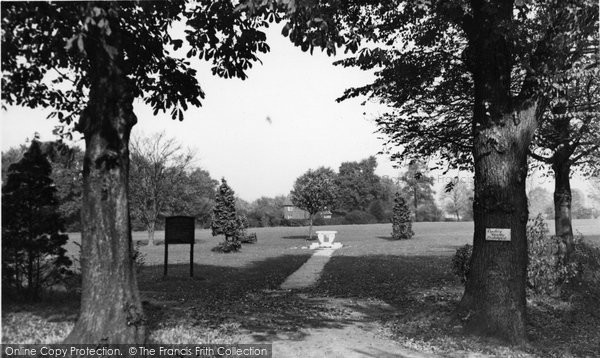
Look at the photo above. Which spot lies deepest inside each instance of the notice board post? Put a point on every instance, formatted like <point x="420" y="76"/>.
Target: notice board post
<point x="179" y="230"/>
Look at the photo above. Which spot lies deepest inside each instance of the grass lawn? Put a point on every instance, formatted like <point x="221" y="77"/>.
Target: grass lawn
<point x="236" y="295"/>
<point x="414" y="278"/>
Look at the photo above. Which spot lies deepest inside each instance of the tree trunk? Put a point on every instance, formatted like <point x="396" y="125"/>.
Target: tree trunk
<point x="310" y="228"/>
<point x="38" y="282"/>
<point x="494" y="302"/>
<point x="562" y="201"/>
<point x="150" y="228"/>
<point x="495" y="291"/>
<point x="111" y="310"/>
<point x="18" y="279"/>
<point x="416" y="204"/>
<point x="30" y="285"/>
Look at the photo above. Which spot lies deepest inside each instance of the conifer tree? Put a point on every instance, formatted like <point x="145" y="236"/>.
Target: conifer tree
<point x="401" y="224"/>
<point x="32" y="244"/>
<point x="225" y="220"/>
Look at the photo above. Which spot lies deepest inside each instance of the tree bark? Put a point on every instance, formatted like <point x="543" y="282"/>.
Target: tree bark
<point x="562" y="201"/>
<point x="150" y="229"/>
<point x="416" y="203"/>
<point x="310" y="228"/>
<point x="30" y="285"/>
<point x="495" y="296"/>
<point x="494" y="302"/>
<point x="111" y="310"/>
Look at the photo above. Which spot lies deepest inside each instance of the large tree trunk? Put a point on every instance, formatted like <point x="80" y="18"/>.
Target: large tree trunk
<point x="495" y="291"/>
<point x="562" y="201"/>
<point x="494" y="301"/>
<point x="111" y="310"/>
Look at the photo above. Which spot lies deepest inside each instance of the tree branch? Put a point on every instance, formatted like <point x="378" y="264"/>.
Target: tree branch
<point x="547" y="160"/>
<point x="585" y="153"/>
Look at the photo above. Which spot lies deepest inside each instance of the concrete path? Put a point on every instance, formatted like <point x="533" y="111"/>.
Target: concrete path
<point x="309" y="273"/>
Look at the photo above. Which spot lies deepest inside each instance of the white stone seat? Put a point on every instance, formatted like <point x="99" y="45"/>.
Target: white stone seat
<point x="326" y="239"/>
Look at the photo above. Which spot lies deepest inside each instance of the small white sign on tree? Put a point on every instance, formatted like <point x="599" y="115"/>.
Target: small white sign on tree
<point x="495" y="234"/>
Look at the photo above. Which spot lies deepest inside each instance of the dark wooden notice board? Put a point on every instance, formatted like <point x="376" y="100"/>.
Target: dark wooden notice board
<point x="179" y="230"/>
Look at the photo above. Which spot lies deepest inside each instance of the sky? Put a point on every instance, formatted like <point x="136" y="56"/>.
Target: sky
<point x="262" y="133"/>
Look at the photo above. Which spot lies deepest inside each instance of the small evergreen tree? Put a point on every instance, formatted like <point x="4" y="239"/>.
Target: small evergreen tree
<point x="225" y="220"/>
<point x="33" y="256"/>
<point x="401" y="223"/>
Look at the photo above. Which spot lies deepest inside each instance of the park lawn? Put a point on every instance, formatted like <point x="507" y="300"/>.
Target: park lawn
<point x="414" y="278"/>
<point x="235" y="294"/>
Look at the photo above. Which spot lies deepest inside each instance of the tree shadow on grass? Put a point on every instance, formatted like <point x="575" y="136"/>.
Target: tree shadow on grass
<point x="389" y="278"/>
<point x="389" y="238"/>
<point x="412" y="296"/>
<point x="249" y="296"/>
<point x="299" y="237"/>
<point x="161" y="242"/>
<point x="51" y="304"/>
<point x="420" y="294"/>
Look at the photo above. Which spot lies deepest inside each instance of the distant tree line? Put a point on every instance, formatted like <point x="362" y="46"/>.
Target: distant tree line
<point x="163" y="182"/>
<point x="541" y="202"/>
<point x="363" y="197"/>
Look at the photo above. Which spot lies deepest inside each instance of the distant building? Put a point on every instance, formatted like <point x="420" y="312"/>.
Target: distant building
<point x="291" y="212"/>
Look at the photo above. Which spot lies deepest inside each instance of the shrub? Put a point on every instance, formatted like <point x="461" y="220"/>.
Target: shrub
<point x="336" y="219"/>
<point x="293" y="223"/>
<point x="227" y="246"/>
<point x="249" y="239"/>
<point x="359" y="217"/>
<point x="139" y="258"/>
<point x="401" y="222"/>
<point x="587" y="258"/>
<point x="547" y="270"/>
<point x="461" y="262"/>
<point x="319" y="221"/>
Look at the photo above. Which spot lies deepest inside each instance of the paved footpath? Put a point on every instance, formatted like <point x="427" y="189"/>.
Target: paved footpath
<point x="309" y="273"/>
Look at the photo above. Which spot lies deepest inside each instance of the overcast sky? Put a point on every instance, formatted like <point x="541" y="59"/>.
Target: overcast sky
<point x="231" y="135"/>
